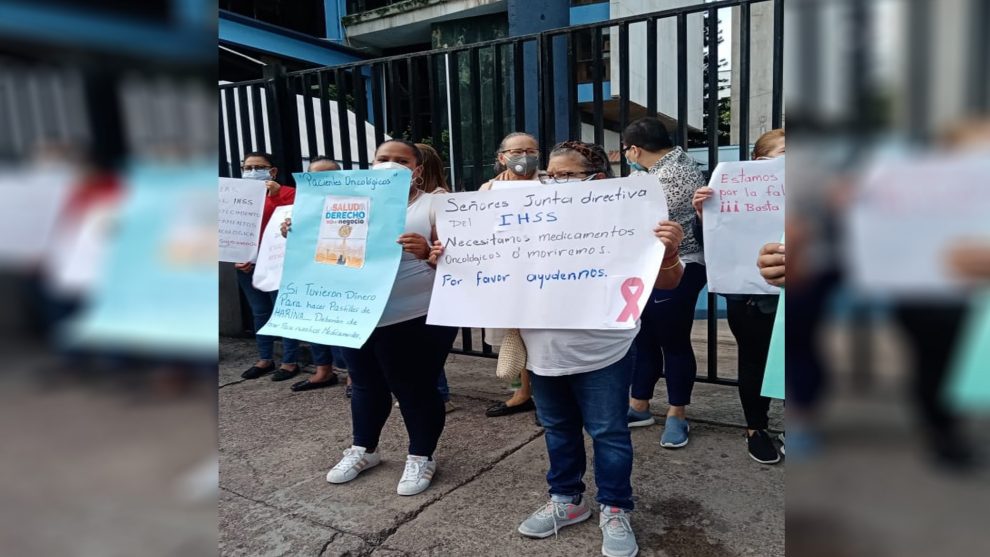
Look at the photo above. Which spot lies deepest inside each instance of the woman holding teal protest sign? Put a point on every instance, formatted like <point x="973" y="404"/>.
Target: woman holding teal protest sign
<point x="751" y="318"/>
<point x="403" y="356"/>
<point x="580" y="379"/>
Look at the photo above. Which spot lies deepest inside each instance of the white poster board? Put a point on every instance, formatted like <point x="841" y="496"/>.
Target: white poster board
<point x="33" y="201"/>
<point x="75" y="263"/>
<point x="241" y="204"/>
<point x="561" y="256"/>
<point x="268" y="269"/>
<point x="745" y="212"/>
<point x="906" y="216"/>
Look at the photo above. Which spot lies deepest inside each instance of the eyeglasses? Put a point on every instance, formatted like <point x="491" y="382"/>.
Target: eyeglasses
<point x="521" y="152"/>
<point x="626" y="148"/>
<point x="250" y="167"/>
<point x="560" y="177"/>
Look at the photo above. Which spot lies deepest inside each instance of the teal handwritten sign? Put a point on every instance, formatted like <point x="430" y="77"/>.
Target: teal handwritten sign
<point x="969" y="387"/>
<point x="341" y="256"/>
<point x="773" y="378"/>
<point x="157" y="293"/>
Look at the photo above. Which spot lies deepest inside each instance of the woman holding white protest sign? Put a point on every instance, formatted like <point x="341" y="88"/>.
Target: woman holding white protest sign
<point x="664" y="342"/>
<point x="403" y="356"/>
<point x="751" y="318"/>
<point x="259" y="166"/>
<point x="580" y="379"/>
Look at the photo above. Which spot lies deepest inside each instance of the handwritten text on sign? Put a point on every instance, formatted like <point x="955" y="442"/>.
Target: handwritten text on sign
<point x="745" y="212"/>
<point x="241" y="203"/>
<point x="560" y="256"/>
<point x="326" y="297"/>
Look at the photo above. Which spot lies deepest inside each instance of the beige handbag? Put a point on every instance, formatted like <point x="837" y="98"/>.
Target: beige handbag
<point x="511" y="356"/>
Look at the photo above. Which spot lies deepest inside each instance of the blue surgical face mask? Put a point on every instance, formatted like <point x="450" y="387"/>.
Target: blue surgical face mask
<point x="635" y="165"/>
<point x="257" y="174"/>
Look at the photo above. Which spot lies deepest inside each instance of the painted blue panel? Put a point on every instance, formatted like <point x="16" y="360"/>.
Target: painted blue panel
<point x="586" y="91"/>
<point x="68" y="26"/>
<point x="333" y="10"/>
<point x="701" y="310"/>
<point x="261" y="39"/>
<point x="589" y="13"/>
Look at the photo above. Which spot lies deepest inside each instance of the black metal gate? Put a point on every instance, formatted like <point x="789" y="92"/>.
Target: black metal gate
<point x="464" y="99"/>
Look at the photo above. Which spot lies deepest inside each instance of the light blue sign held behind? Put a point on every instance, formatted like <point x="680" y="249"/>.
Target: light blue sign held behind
<point x="969" y="386"/>
<point x="341" y="256"/>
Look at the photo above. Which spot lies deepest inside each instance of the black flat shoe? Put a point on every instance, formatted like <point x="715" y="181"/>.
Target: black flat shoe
<point x="307" y="385"/>
<point x="502" y="409"/>
<point x="255" y="372"/>
<point x="283" y="374"/>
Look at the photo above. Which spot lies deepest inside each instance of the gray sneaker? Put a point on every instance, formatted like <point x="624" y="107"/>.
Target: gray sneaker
<point x="618" y="539"/>
<point x="552" y="517"/>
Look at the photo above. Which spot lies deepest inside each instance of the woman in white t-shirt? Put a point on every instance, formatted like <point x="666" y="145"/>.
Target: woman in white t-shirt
<point x="580" y="379"/>
<point x="403" y="356"/>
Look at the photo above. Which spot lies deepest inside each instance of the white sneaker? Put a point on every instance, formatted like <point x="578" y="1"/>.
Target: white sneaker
<point x="417" y="475"/>
<point x="356" y="460"/>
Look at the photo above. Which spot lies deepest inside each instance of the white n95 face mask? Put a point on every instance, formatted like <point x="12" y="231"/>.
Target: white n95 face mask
<point x="389" y="165"/>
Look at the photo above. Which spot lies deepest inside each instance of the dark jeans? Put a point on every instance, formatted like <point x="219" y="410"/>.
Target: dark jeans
<point x="664" y="341"/>
<point x="324" y="355"/>
<point x="406" y="360"/>
<point x="596" y="401"/>
<point x="262" y="304"/>
<point x="752" y="329"/>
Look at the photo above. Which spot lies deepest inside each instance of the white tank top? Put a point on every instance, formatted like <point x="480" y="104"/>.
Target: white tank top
<point x="410" y="297"/>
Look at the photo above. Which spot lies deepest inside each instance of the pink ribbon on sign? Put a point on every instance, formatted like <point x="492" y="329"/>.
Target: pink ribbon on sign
<point x="631" y="289"/>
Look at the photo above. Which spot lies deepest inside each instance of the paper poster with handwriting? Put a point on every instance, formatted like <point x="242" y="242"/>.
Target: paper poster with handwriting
<point x="557" y="256"/>
<point x="239" y="212"/>
<point x="906" y="214"/>
<point x="156" y="289"/>
<point x="271" y="255"/>
<point x="340" y="257"/>
<point x="745" y="212"/>
<point x="969" y="386"/>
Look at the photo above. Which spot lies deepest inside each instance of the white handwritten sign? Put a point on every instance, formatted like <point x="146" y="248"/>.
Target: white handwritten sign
<point x="271" y="255"/>
<point x="560" y="256"/>
<point x="241" y="204"/>
<point x="907" y="214"/>
<point x="745" y="212"/>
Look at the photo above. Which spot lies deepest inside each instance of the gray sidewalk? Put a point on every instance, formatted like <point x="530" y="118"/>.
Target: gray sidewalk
<point x="708" y="499"/>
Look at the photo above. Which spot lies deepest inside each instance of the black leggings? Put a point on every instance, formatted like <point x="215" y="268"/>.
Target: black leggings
<point x="752" y="329"/>
<point x="406" y="360"/>
<point x="932" y="331"/>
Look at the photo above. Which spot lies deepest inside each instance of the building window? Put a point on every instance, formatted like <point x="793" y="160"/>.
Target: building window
<point x="585" y="58"/>
<point x="304" y="16"/>
<point x="586" y="2"/>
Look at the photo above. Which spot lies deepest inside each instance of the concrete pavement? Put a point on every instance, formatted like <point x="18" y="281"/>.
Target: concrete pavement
<point x="708" y="499"/>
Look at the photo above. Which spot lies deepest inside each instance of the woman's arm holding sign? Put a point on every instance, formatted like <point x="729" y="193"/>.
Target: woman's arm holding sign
<point x="671" y="269"/>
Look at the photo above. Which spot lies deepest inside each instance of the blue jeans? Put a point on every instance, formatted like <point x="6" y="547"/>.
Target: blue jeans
<point x="596" y="401"/>
<point x="262" y="304"/>
<point x="664" y="341"/>
<point x="324" y="355"/>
